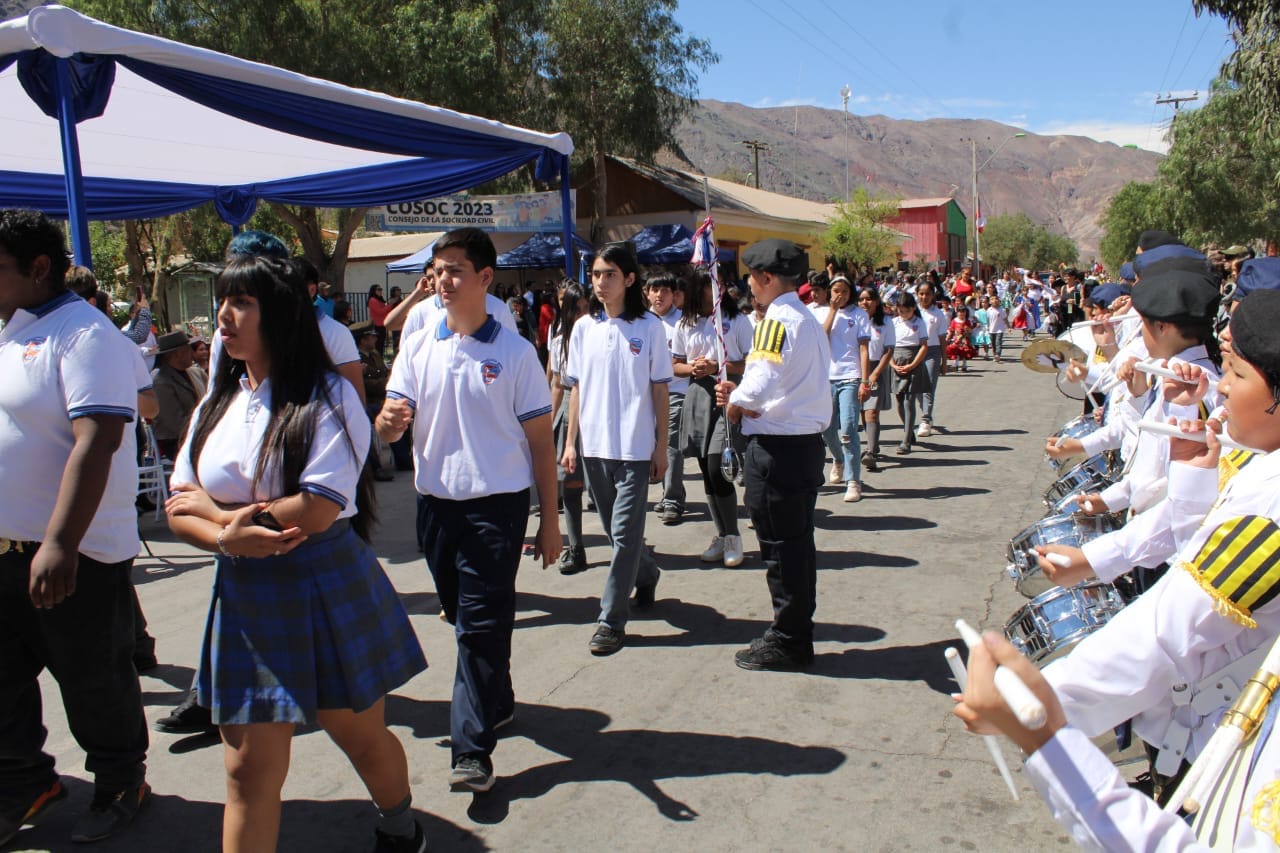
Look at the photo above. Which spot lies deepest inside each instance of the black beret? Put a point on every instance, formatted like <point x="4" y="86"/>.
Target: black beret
<point x="1104" y="294"/>
<point x="1176" y="295"/>
<point x="1255" y="331"/>
<point x="1257" y="274"/>
<point x="1169" y="256"/>
<point x="780" y="257"/>
<point x="1149" y="240"/>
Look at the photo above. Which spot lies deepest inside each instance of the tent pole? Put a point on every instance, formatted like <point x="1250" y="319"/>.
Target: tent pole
<point x="77" y="216"/>
<point x="566" y="214"/>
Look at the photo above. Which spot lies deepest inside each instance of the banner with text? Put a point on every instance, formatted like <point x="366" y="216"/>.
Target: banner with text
<point x="520" y="212"/>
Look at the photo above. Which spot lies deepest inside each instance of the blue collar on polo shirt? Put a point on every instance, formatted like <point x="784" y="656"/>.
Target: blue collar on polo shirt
<point x="56" y="302"/>
<point x="486" y="334"/>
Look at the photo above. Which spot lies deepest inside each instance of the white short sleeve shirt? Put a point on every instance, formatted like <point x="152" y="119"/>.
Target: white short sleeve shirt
<point x="230" y="455"/>
<point x="615" y="363"/>
<point x="882" y="338"/>
<point x="850" y="327"/>
<point x="61" y="361"/>
<point x="471" y="396"/>
<point x="670" y="322"/>
<point x="428" y="313"/>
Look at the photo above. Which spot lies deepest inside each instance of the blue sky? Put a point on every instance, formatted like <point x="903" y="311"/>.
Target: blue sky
<point x="1084" y="67"/>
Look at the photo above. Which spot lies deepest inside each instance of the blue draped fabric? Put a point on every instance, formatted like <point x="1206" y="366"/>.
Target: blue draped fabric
<point x="669" y="244"/>
<point x="543" y="251"/>
<point x="446" y="159"/>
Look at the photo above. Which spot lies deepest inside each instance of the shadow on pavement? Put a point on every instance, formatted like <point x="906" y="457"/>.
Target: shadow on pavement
<point x="931" y="493"/>
<point x="934" y="447"/>
<point x="170" y="823"/>
<point x="699" y="624"/>
<point x="922" y="458"/>
<point x="891" y="663"/>
<point x="827" y="520"/>
<point x="639" y="758"/>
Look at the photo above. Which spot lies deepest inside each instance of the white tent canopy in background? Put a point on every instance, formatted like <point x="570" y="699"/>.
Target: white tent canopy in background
<point x="162" y="127"/>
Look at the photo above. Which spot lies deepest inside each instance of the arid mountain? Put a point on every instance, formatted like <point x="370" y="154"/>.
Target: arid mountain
<point x="1062" y="182"/>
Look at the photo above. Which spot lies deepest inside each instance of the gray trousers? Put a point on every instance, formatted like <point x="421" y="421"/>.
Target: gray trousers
<point x="620" y="490"/>
<point x="932" y="365"/>
<point x="673" y="481"/>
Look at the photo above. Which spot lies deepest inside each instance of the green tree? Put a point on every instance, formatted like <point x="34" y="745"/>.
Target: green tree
<point x="1255" y="63"/>
<point x="619" y="75"/>
<point x="1006" y="240"/>
<point x="1136" y="207"/>
<point x="1218" y="184"/>
<point x="858" y="235"/>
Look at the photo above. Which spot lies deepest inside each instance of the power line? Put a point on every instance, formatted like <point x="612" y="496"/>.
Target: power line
<point x="1174" y="51"/>
<point x="888" y="60"/>
<point x="1195" y="47"/>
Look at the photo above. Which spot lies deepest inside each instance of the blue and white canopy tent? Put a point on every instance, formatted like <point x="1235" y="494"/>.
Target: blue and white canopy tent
<point x="101" y="122"/>
<point x="669" y="244"/>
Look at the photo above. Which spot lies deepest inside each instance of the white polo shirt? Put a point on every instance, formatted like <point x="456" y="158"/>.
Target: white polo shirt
<point x="670" y="320"/>
<point x="617" y="362"/>
<point x="698" y="339"/>
<point x="910" y="333"/>
<point x="428" y="313"/>
<point x="882" y="337"/>
<point x="850" y="327"/>
<point x="936" y="321"/>
<point x="471" y="395"/>
<point x="61" y="361"/>
<point x="230" y="454"/>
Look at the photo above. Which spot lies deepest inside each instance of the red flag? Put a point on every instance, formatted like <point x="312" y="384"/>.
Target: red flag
<point x="980" y="221"/>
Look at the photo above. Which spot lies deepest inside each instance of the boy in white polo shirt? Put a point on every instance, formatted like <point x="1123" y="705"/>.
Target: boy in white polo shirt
<point x="68" y="536"/>
<point x="481" y="438"/>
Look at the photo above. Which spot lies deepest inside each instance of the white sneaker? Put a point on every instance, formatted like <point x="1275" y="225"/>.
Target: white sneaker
<point x="714" y="552"/>
<point x="924" y="430"/>
<point x="837" y="473"/>
<point x="853" y="493"/>
<point x="732" y="551"/>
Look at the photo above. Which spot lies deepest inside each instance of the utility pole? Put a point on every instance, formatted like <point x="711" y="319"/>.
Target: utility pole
<point x="756" y="147"/>
<point x="845" y="92"/>
<point x="1178" y="100"/>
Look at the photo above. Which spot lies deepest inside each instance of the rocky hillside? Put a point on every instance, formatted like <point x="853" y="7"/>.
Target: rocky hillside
<point x="1063" y="182"/>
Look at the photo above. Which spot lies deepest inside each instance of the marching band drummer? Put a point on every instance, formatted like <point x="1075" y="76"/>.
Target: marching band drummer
<point x="1218" y="603"/>
<point x="1177" y="307"/>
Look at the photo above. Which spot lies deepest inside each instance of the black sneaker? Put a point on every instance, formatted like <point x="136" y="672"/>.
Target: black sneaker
<point x="660" y="507"/>
<point x="606" y="640"/>
<point x="672" y="513"/>
<point x="186" y="719"/>
<point x="43" y="803"/>
<point x="645" y="596"/>
<point x="416" y="843"/>
<point x="572" y="561"/>
<point x="472" y="772"/>
<point x="870" y="462"/>
<point x="109" y="812"/>
<point x="771" y="655"/>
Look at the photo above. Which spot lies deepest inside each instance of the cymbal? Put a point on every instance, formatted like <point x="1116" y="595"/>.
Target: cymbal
<point x="1050" y="355"/>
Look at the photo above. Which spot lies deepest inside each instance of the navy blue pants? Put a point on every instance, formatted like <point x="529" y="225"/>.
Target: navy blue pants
<point x="86" y="643"/>
<point x="783" y="473"/>
<point x="473" y="549"/>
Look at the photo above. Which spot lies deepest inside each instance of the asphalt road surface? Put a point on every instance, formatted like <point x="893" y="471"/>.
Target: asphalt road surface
<point x="668" y="745"/>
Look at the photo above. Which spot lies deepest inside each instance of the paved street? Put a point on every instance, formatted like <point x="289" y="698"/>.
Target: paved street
<point x="667" y="745"/>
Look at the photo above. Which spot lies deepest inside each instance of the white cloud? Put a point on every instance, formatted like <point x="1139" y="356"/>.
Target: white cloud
<point x="1143" y="135"/>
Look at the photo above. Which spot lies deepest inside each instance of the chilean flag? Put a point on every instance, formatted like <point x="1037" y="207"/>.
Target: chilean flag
<point x="981" y="221"/>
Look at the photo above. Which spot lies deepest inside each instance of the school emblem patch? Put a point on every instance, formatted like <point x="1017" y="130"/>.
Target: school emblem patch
<point x="489" y="370"/>
<point x="31" y="349"/>
<point x="636" y="345"/>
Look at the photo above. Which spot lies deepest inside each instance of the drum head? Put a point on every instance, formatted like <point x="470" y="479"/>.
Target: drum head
<point x="1049" y="625"/>
<point x="1074" y="390"/>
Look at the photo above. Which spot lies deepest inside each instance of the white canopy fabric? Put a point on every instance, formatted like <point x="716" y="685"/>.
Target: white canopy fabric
<point x="162" y="126"/>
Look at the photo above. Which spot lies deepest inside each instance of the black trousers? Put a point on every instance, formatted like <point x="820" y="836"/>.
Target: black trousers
<point x="783" y="473"/>
<point x="86" y="643"/>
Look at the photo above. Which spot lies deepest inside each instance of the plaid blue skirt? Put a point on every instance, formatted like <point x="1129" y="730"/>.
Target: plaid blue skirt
<point x="317" y="629"/>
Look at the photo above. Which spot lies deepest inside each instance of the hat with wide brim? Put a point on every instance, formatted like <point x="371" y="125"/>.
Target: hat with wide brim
<point x="172" y="341"/>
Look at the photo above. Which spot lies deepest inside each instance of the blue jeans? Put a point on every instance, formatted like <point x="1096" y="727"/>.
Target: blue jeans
<point x="620" y="489"/>
<point x="841" y="435"/>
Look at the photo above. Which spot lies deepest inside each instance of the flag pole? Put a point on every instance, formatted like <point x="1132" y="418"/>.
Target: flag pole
<point x="706" y="253"/>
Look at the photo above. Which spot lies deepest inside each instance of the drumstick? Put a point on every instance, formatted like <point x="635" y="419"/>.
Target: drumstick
<point x="1025" y="706"/>
<point x="993" y="743"/>
<point x="1088" y="506"/>
<point x="1156" y="370"/>
<point x="1176" y="432"/>
<point x="1061" y="560"/>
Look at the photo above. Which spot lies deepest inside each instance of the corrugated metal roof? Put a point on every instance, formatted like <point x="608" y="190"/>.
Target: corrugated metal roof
<point x="392" y="246"/>
<point x="924" y="202"/>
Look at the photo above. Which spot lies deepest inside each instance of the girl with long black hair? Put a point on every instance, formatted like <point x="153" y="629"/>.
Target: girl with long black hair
<point x="303" y="627"/>
<point x="703" y="428"/>
<point x="573" y="304"/>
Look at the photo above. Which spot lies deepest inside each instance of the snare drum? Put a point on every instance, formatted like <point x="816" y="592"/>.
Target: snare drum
<point x="1091" y="469"/>
<point x="1075" y="428"/>
<point x="1070" y="504"/>
<point x="1071" y="530"/>
<point x="1051" y="623"/>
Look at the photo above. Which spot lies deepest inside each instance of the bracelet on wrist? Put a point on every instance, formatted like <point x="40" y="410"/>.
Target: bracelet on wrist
<point x="222" y="545"/>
